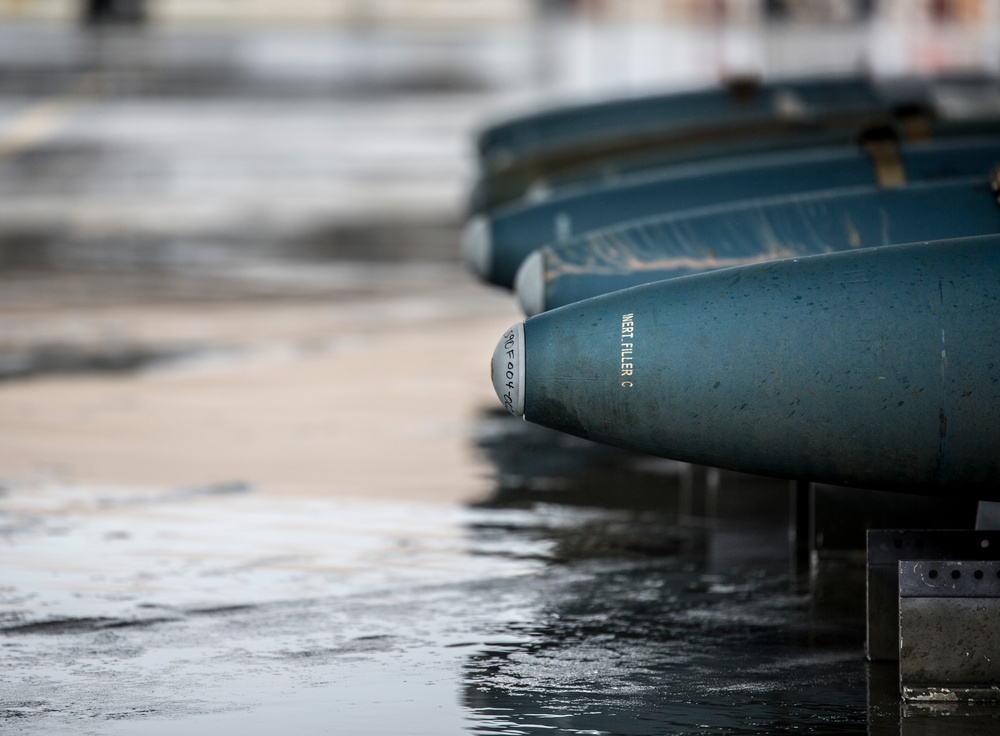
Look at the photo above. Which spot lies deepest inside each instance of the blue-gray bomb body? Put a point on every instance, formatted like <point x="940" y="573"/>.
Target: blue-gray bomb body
<point x="877" y="368"/>
<point x="517" y="153"/>
<point x="514" y="231"/>
<point x="533" y="181"/>
<point x="574" y="125"/>
<point x="571" y="126"/>
<point x="752" y="231"/>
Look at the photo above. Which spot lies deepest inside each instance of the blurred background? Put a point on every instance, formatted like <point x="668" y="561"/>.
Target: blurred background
<point x="252" y="471"/>
<point x="170" y="150"/>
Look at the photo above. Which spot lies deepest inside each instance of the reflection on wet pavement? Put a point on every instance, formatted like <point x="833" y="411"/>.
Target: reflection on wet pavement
<point x="553" y="602"/>
<point x="651" y="620"/>
<point x="560" y="613"/>
<point x="548" y="609"/>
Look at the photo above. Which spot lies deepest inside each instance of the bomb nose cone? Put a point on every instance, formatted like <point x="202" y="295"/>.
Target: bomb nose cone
<point x="530" y="284"/>
<point x="477" y="247"/>
<point x="508" y="370"/>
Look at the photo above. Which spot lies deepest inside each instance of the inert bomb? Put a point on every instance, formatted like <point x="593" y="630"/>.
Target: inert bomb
<point x="874" y="368"/>
<point x="519" y="155"/>
<point x="752" y="231"/>
<point x="495" y="245"/>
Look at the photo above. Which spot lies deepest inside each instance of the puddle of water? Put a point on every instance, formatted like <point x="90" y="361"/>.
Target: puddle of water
<point x="226" y="607"/>
<point x="545" y="606"/>
<point x="220" y="608"/>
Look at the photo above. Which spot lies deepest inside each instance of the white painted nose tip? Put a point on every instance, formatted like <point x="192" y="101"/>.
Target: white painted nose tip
<point x="508" y="370"/>
<point x="477" y="247"/>
<point x="530" y="284"/>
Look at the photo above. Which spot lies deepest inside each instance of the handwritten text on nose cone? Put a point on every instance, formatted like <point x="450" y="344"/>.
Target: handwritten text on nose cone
<point x="873" y="368"/>
<point x="508" y="370"/>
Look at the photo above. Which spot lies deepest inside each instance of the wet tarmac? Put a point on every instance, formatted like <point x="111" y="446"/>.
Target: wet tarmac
<point x="253" y="476"/>
<point x="538" y="606"/>
<point x="585" y="596"/>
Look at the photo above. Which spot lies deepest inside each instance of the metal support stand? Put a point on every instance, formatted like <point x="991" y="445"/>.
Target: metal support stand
<point x="988" y="515"/>
<point x="802" y="524"/>
<point x="844" y="516"/>
<point x="886" y="549"/>
<point x="699" y="488"/>
<point x="949" y="642"/>
<point x="698" y="485"/>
